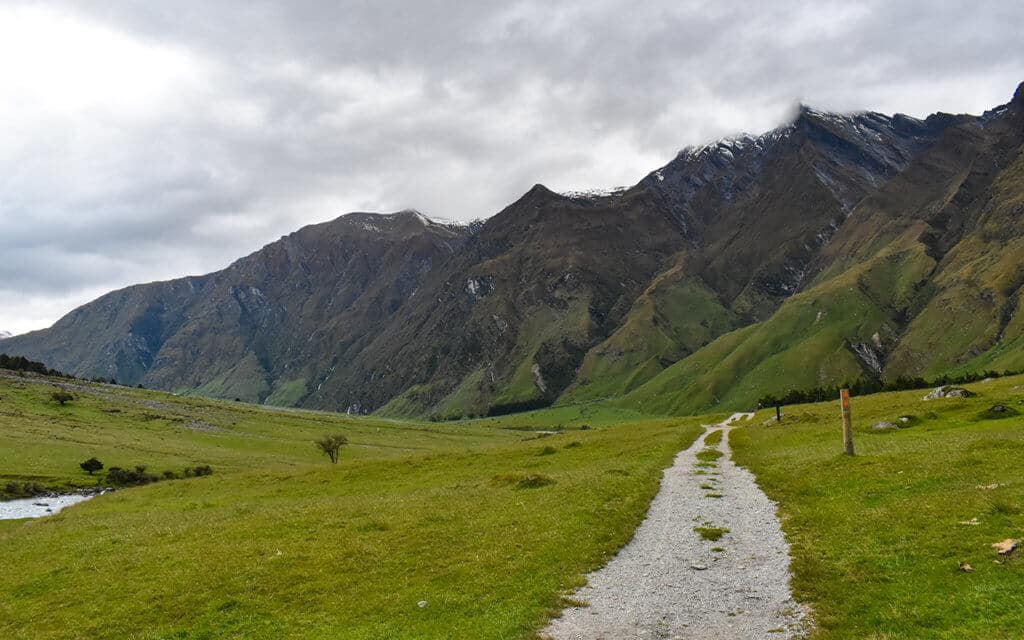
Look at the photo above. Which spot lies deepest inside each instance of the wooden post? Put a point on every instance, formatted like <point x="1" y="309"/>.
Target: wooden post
<point x="844" y="397"/>
<point x="778" y="413"/>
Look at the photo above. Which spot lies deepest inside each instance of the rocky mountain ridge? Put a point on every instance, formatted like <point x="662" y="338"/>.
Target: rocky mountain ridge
<point x="582" y="296"/>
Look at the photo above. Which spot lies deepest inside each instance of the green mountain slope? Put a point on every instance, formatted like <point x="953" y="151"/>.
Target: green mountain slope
<point x="923" y="278"/>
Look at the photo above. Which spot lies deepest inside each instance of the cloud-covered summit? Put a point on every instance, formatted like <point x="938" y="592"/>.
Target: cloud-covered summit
<point x="145" y="141"/>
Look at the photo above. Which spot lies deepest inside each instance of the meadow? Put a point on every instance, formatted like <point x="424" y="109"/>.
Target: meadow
<point x="480" y="528"/>
<point x="878" y="538"/>
<point x="422" y="530"/>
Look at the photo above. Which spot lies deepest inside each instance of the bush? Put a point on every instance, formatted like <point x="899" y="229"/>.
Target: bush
<point x="136" y="476"/>
<point x="330" y="445"/>
<point x="547" y="451"/>
<point x="62" y="397"/>
<point x="199" y="471"/>
<point x="23" y="489"/>
<point x="91" y="465"/>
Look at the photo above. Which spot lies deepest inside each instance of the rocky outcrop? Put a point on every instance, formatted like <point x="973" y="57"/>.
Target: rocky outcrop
<point x="947" y="392"/>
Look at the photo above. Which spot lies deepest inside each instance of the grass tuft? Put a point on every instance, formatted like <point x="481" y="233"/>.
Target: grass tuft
<point x="709" y="455"/>
<point x="997" y="412"/>
<point x="711" y="534"/>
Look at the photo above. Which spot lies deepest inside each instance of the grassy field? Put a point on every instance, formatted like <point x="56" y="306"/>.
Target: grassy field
<point x="487" y="523"/>
<point x="877" y="538"/>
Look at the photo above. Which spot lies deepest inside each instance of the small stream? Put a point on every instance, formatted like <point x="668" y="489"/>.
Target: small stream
<point x="39" y="507"/>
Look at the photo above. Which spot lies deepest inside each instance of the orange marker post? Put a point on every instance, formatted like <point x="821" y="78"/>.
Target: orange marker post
<point x="844" y="397"/>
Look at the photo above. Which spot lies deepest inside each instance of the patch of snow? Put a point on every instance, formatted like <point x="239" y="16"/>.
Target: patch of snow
<point x="436" y="220"/>
<point x="5" y="334"/>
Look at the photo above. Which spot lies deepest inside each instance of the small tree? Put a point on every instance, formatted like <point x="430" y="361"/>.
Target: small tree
<point x="330" y="445"/>
<point x="62" y="397"/>
<point x="91" y="465"/>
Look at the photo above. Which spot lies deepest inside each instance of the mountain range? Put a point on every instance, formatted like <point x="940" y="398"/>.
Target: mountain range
<point x="835" y="247"/>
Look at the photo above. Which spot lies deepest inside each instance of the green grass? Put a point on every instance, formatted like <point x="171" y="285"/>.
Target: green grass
<point x="812" y="326"/>
<point x="713" y="439"/>
<point x="674" y="317"/>
<point x="43" y="442"/>
<point x="709" y="455"/>
<point x="279" y="543"/>
<point x="711" y="534"/>
<point x="491" y="522"/>
<point x="287" y="394"/>
<point x="877" y="538"/>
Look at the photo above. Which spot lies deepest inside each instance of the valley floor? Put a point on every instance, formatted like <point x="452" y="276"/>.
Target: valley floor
<point x="486" y="529"/>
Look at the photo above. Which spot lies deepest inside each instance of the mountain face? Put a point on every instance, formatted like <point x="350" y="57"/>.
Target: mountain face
<point x="834" y="247"/>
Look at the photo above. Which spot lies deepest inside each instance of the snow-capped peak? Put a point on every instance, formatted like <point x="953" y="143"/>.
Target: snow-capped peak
<point x="588" y="194"/>
<point x="5" y="334"/>
<point x="436" y="220"/>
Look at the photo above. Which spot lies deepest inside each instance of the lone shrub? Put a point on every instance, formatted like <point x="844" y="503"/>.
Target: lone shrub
<point x="62" y="397"/>
<point x="330" y="445"/>
<point x="547" y="451"/>
<point x="91" y="465"/>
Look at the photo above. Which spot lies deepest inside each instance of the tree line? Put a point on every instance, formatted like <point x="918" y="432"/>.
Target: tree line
<point x="21" y="363"/>
<point x="868" y="386"/>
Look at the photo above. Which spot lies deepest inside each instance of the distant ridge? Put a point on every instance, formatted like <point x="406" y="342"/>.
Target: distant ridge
<point x="832" y="248"/>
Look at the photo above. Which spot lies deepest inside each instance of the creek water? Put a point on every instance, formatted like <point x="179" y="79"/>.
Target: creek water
<point x="39" y="507"/>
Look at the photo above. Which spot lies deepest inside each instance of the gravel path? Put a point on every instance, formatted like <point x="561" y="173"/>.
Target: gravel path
<point x="668" y="582"/>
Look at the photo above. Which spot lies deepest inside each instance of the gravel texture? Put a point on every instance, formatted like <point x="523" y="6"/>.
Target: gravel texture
<point x="668" y="582"/>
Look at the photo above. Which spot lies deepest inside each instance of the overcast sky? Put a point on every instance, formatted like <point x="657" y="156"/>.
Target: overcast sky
<point x="150" y="140"/>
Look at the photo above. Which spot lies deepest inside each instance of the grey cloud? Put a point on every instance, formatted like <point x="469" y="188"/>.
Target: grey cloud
<point x="294" y="112"/>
